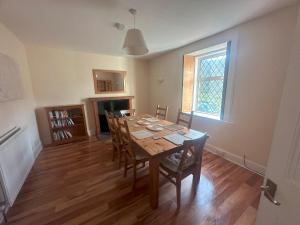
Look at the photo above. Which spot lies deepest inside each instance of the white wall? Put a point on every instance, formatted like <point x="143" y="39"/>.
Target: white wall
<point x="62" y="77"/>
<point x="260" y="50"/>
<point x="19" y="112"/>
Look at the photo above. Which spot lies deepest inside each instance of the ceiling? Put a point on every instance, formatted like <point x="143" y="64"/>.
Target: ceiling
<point x="87" y="25"/>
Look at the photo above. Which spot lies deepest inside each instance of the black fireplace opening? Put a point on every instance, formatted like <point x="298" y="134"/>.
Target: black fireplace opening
<point x="113" y="106"/>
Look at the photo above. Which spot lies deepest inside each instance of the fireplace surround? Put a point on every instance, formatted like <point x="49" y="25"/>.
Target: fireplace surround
<point x="110" y="104"/>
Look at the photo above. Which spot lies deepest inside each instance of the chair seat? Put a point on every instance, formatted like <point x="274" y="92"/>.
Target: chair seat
<point x="171" y="162"/>
<point x="140" y="154"/>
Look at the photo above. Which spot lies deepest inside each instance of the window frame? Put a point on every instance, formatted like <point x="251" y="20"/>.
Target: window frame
<point x="225" y="82"/>
<point x="228" y="51"/>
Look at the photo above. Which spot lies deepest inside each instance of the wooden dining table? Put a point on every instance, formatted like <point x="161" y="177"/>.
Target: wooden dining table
<point x="156" y="147"/>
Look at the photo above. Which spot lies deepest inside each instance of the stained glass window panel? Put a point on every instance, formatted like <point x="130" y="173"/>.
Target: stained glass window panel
<point x="210" y="83"/>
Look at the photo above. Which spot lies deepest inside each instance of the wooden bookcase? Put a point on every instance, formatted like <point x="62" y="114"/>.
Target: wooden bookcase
<point x="67" y="123"/>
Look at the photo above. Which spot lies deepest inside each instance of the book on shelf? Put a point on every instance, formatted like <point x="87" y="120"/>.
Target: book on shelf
<point x="68" y="134"/>
<point x="62" y="123"/>
<point x="54" y="136"/>
<point x="58" y="114"/>
<point x="50" y="115"/>
<point x="62" y="135"/>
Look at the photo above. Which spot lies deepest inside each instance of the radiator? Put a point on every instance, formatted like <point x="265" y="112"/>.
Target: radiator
<point x="16" y="160"/>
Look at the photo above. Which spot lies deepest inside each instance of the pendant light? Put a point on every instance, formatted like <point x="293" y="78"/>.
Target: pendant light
<point x="134" y="43"/>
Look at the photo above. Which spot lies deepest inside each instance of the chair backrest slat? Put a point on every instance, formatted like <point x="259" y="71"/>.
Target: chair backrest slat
<point x="161" y="112"/>
<point x="108" y="119"/>
<point x="185" y="119"/>
<point x="192" y="153"/>
<point x="125" y="135"/>
<point x="112" y="126"/>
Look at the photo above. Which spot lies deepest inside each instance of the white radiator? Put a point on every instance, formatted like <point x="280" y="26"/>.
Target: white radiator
<point x="16" y="160"/>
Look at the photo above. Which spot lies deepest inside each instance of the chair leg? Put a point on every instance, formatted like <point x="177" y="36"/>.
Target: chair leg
<point x="196" y="179"/>
<point x="113" y="154"/>
<point x="120" y="158"/>
<point x="125" y="166"/>
<point x="4" y="217"/>
<point x="134" y="175"/>
<point x="178" y="192"/>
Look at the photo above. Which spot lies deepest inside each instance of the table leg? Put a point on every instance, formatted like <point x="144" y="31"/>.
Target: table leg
<point x="154" y="182"/>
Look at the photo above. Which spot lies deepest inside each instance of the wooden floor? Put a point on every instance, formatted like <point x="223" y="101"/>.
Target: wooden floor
<point x="79" y="184"/>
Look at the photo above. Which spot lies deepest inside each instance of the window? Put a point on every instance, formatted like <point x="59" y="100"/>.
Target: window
<point x="205" y="81"/>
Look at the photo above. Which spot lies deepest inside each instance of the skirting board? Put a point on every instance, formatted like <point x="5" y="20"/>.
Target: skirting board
<point x="37" y="149"/>
<point x="236" y="159"/>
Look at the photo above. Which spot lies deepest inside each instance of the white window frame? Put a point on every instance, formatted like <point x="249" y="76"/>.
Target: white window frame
<point x="204" y="53"/>
<point x="233" y="37"/>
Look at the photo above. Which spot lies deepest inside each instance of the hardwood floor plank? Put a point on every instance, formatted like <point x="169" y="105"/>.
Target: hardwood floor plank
<point x="248" y="217"/>
<point x="78" y="183"/>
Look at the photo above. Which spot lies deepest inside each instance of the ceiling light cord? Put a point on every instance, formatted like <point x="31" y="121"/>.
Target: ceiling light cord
<point x="133" y="12"/>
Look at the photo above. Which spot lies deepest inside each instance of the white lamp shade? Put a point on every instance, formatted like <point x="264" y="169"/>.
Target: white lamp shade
<point x="134" y="43"/>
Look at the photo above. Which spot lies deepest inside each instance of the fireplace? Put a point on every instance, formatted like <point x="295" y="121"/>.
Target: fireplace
<point x="113" y="106"/>
<point x="110" y="104"/>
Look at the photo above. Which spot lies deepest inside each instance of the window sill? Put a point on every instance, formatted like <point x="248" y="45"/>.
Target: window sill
<point x="208" y="117"/>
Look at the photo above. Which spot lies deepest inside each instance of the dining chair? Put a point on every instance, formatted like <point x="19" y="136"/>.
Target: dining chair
<point x="116" y="141"/>
<point x="134" y="155"/>
<point x="179" y="165"/>
<point x="127" y="112"/>
<point x="185" y="119"/>
<point x="161" y="112"/>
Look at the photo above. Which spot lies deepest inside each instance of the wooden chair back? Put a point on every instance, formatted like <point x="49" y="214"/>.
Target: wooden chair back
<point x="112" y="126"/>
<point x="109" y="117"/>
<point x="127" y="112"/>
<point x="125" y="136"/>
<point x="192" y="153"/>
<point x="185" y="119"/>
<point x="161" y="112"/>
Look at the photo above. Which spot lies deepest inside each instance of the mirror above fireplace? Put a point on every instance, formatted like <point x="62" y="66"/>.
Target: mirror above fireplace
<point x="108" y="81"/>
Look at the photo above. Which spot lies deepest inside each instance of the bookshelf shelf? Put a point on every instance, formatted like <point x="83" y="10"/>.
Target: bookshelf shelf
<point x="66" y="123"/>
<point x="71" y="117"/>
<point x="68" y="127"/>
